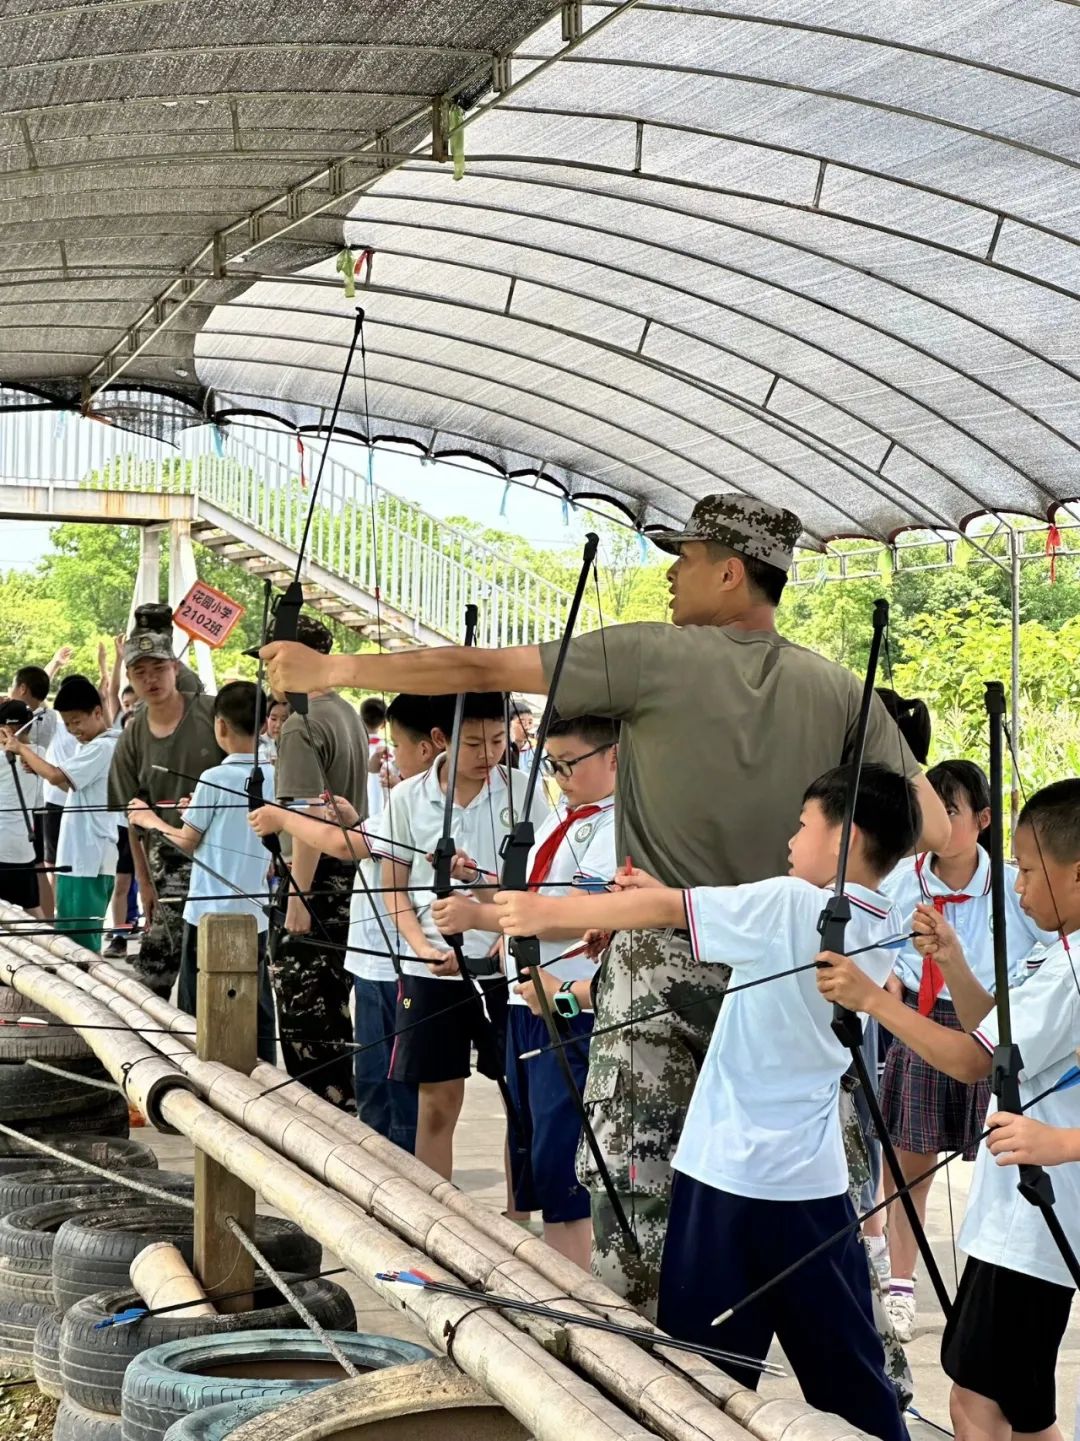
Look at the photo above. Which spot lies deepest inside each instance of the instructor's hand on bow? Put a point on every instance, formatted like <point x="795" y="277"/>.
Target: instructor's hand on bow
<point x="292" y="668"/>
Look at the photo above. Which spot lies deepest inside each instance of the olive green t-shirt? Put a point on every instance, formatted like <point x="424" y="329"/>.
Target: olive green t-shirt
<point x="722" y="731"/>
<point x="190" y="750"/>
<point x="342" y="744"/>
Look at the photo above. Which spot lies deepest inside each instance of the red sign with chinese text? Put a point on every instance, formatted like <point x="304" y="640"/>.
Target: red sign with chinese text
<point x="207" y="614"/>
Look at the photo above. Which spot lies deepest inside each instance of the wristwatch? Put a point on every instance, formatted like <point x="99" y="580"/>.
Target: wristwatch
<point x="566" y="1003"/>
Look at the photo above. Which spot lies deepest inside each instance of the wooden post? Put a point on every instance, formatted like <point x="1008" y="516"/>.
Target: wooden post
<point x="227" y="1020"/>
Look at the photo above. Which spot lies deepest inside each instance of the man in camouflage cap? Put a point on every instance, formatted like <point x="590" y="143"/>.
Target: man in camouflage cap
<point x="724" y="726"/>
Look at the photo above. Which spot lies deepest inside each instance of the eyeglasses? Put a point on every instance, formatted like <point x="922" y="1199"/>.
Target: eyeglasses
<point x="552" y="767"/>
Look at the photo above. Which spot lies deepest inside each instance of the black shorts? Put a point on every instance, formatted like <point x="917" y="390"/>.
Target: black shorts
<point x="1002" y="1341"/>
<point x="39" y="836"/>
<point x="19" y="885"/>
<point x="54" y="814"/>
<point x="438" y="1024"/>
<point x="125" y="864"/>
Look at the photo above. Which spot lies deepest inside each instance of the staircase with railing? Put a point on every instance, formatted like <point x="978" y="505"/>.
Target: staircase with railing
<point x="374" y="561"/>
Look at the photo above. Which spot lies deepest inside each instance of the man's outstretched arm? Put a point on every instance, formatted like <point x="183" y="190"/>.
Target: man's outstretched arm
<point x="435" y="670"/>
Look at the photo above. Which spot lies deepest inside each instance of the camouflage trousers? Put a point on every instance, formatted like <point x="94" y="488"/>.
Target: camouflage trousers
<point x="638" y="1090"/>
<point x="158" y="962"/>
<point x="313" y="990"/>
<point x="859" y="1174"/>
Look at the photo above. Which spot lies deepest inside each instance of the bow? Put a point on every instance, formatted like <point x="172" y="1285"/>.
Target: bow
<point x="1034" y="1184"/>
<point x="13" y="762"/>
<point x="526" y="949"/>
<point x="445" y="851"/>
<point x="832" y="927"/>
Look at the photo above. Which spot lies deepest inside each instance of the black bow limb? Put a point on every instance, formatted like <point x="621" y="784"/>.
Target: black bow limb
<point x="515" y="877"/>
<point x="1034" y="1184"/>
<point x="443" y="861"/>
<point x="832" y="926"/>
<point x="13" y="761"/>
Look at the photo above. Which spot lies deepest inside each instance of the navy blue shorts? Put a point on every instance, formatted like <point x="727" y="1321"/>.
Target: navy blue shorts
<point x="542" y="1159"/>
<point x="720" y="1248"/>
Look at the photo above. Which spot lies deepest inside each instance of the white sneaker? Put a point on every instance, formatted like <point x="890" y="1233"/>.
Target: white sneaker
<point x="901" y="1312"/>
<point x="878" y="1250"/>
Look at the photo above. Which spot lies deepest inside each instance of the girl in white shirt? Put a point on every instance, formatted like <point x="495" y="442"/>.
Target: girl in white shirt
<point x="926" y="1111"/>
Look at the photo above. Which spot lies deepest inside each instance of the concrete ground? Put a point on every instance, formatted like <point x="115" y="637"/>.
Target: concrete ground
<point x="478" y="1163"/>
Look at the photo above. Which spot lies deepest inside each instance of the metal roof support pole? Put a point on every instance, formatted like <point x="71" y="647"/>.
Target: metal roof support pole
<point x="1015" y="573"/>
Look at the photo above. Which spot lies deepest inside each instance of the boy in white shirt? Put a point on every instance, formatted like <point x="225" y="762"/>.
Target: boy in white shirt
<point x="18" y="872"/>
<point x="87" y="841"/>
<point x="1000" y="1345"/>
<point x="574" y="849"/>
<point x="215" y="833"/>
<point x="388" y="1106"/>
<point x="761" y="1175"/>
<point x="436" y="1055"/>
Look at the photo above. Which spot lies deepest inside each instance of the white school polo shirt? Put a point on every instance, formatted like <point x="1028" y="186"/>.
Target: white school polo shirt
<point x="228" y="845"/>
<point x="39" y="735"/>
<point x="365" y="932"/>
<point x="87" y="830"/>
<point x="587" y="852"/>
<point x="15" y="847"/>
<point x="764" y="1119"/>
<point x="62" y="746"/>
<point x="914" y="883"/>
<point x="1000" y="1226"/>
<point x="413" y="820"/>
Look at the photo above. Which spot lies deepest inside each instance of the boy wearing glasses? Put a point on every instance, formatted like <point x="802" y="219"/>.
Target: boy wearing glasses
<point x="574" y="850"/>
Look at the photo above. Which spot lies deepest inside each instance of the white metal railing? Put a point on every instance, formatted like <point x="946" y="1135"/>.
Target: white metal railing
<point x="361" y="532"/>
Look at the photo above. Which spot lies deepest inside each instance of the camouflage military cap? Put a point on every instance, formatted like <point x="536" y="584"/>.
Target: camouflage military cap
<point x="148" y="645"/>
<point x="750" y="527"/>
<point x="314" y="634"/>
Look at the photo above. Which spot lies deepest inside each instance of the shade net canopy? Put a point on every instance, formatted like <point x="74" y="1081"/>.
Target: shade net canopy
<point x="823" y="254"/>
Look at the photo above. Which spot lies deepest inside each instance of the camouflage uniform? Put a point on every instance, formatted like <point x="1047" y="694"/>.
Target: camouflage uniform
<point x="313" y="990"/>
<point x="158" y="961"/>
<point x="638" y="1090"/>
<point x="858" y="1159"/>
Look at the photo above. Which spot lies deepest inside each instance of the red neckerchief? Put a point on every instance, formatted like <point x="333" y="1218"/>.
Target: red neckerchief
<point x="546" y="852"/>
<point x="932" y="982"/>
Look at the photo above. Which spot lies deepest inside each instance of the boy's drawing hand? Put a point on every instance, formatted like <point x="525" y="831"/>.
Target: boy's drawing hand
<point x="596" y="943"/>
<point x="634" y="879"/>
<point x="267" y="821"/>
<point x="1022" y="1141"/>
<point x="935" y="937"/>
<point x="439" y="962"/>
<point x="454" y="914"/>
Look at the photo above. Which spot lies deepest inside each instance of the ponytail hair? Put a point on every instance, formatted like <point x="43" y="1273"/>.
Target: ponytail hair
<point x="912" y="719"/>
<point x="956" y="780"/>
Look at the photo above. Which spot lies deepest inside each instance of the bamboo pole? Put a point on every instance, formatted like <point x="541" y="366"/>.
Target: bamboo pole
<point x="162" y="1278"/>
<point x="475" y="1244"/>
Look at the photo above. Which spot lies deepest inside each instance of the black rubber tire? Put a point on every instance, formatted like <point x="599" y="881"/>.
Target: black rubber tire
<point x="109" y="1118"/>
<point x="61" y="1183"/>
<point x="102" y="1150"/>
<point x="55" y="1042"/>
<point x="76" y="1423"/>
<point x="47" y="1356"/>
<point x="27" y="1092"/>
<point x="92" y="1362"/>
<point x="167" y="1382"/>
<point x="27" y="1238"/>
<point x="94" y="1253"/>
<point x="216" y="1423"/>
<point x="19" y="1321"/>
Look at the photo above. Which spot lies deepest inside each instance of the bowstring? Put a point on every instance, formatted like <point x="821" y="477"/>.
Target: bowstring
<point x="632" y="949"/>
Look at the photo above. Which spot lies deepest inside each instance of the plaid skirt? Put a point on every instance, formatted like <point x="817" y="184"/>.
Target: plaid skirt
<point x="926" y="1111"/>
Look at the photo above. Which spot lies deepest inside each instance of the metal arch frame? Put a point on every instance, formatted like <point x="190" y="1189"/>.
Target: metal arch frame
<point x="822" y="94"/>
<point x="943" y="521"/>
<point x="569" y="224"/>
<point x="739" y="228"/>
<point x="638" y="399"/>
<point x="106" y="364"/>
<point x="782" y="423"/>
<point x="785" y="23"/>
<point x="798" y="153"/>
<point x="124" y="164"/>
